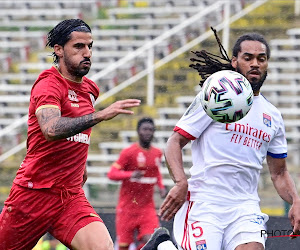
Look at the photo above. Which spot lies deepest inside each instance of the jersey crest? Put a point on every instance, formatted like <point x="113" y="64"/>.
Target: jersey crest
<point x="267" y="120"/>
<point x="72" y="96"/>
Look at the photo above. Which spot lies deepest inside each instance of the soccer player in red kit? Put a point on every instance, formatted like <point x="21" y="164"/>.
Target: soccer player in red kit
<point x="138" y="168"/>
<point x="47" y="194"/>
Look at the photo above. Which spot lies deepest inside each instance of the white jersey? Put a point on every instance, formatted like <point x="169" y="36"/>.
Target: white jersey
<point x="227" y="158"/>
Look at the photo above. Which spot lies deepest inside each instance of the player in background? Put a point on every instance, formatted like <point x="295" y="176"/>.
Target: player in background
<point x="218" y="206"/>
<point x="138" y="169"/>
<point x="47" y="194"/>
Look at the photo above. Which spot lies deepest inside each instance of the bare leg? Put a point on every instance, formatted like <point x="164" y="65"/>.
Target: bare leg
<point x="250" y="246"/>
<point x="93" y="236"/>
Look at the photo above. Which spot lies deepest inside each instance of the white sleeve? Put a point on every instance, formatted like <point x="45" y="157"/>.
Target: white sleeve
<point x="278" y="145"/>
<point x="195" y="120"/>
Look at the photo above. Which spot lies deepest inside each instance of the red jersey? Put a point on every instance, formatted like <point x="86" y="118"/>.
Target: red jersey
<point x="58" y="163"/>
<point x="137" y="193"/>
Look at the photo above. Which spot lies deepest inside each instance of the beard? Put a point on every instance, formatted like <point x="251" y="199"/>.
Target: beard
<point x="255" y="84"/>
<point x="77" y="70"/>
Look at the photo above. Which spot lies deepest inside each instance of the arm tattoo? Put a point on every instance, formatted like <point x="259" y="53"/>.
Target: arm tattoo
<point x="66" y="127"/>
<point x="52" y="124"/>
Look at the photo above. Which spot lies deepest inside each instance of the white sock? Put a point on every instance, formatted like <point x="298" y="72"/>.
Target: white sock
<point x="166" y="245"/>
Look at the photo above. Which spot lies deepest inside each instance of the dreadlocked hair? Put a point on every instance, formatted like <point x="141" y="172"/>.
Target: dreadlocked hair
<point x="207" y="63"/>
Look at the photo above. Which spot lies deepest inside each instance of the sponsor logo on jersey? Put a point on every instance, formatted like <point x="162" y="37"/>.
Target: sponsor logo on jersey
<point x="247" y="135"/>
<point x="82" y="138"/>
<point x="141" y="160"/>
<point x="248" y="130"/>
<point x="72" y="96"/>
<point x="75" y="105"/>
<point x="201" y="245"/>
<point x="144" y="180"/>
<point x="267" y="120"/>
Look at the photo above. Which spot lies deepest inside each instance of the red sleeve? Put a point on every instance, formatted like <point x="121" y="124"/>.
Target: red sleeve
<point x="47" y="92"/>
<point x="118" y="170"/>
<point x="159" y="176"/>
<point x="184" y="133"/>
<point x="117" y="174"/>
<point x="159" y="181"/>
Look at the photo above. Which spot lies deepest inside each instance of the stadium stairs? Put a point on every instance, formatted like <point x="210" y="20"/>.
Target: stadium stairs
<point x="175" y="86"/>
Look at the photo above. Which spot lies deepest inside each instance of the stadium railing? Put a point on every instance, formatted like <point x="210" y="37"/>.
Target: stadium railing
<point x="13" y="14"/>
<point x="149" y="49"/>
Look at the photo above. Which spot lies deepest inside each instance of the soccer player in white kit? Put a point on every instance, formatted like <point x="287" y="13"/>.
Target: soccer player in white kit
<point x="218" y="206"/>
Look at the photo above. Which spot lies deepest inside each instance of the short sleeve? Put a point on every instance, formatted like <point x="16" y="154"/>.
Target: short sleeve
<point x="123" y="159"/>
<point x="195" y="120"/>
<point x="47" y="93"/>
<point x="278" y="145"/>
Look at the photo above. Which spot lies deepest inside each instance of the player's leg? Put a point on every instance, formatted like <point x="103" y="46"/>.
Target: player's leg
<point x="125" y="227"/>
<point x="26" y="216"/>
<point x="79" y="226"/>
<point x="250" y="246"/>
<point x="146" y="225"/>
<point x="195" y="227"/>
<point x="93" y="236"/>
<point x="245" y="233"/>
<point x="14" y="238"/>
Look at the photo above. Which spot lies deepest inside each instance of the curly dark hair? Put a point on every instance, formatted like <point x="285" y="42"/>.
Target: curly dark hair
<point x="143" y="120"/>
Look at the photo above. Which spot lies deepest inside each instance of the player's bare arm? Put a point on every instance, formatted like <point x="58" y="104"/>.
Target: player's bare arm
<point x="285" y="187"/>
<point x="177" y="195"/>
<point x="55" y="127"/>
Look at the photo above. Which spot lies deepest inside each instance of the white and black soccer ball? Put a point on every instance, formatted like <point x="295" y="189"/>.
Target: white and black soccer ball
<point x="226" y="96"/>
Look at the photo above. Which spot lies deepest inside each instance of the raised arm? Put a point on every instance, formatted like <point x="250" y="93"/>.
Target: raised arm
<point x="55" y="127"/>
<point x="177" y="195"/>
<point x="286" y="189"/>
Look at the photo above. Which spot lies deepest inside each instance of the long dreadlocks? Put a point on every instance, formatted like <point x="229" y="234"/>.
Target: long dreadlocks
<point x="208" y="63"/>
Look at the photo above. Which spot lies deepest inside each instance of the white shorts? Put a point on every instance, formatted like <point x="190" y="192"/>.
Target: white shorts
<point x="201" y="226"/>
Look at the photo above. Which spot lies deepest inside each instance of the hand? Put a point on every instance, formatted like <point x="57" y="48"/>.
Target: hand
<point x="294" y="216"/>
<point x="137" y="174"/>
<point x="173" y="202"/>
<point x="119" y="107"/>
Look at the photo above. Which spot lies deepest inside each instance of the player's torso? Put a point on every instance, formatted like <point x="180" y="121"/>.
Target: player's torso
<point x="244" y="142"/>
<point x="139" y="191"/>
<point x="227" y="158"/>
<point x="61" y="161"/>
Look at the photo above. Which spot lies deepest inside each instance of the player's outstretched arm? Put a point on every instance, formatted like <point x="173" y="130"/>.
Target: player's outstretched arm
<point x="55" y="127"/>
<point x="177" y="194"/>
<point x="285" y="187"/>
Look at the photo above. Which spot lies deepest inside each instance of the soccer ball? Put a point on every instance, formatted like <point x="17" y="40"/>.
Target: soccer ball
<point x="226" y="96"/>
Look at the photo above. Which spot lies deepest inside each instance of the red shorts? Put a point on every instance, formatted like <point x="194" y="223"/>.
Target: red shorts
<point x="143" y="221"/>
<point x="29" y="213"/>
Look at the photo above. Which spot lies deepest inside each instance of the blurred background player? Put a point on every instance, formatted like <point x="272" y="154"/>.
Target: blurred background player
<point x="138" y="169"/>
<point x="218" y="207"/>
<point x="47" y="192"/>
